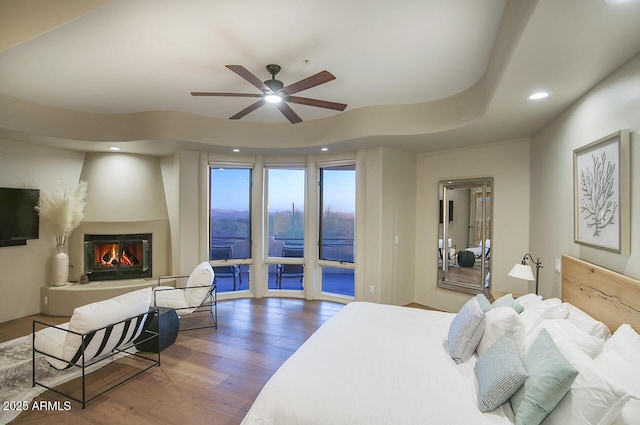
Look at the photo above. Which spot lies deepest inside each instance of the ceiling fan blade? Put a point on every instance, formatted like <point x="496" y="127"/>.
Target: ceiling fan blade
<point x="312" y="81"/>
<point x="247" y="75"/>
<point x="288" y="112"/>
<point x="316" y="102"/>
<point x="248" y="109"/>
<point x="204" y="93"/>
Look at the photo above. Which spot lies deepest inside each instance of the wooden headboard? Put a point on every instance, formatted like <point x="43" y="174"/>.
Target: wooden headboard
<point x="610" y="297"/>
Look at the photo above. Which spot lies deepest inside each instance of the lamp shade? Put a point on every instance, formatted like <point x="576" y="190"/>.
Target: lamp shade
<point x="522" y="271"/>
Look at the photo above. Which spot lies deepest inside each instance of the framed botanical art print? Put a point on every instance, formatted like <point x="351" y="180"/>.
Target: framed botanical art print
<point x="601" y="190"/>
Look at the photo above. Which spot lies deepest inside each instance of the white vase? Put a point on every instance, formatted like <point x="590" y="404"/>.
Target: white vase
<point x="59" y="267"/>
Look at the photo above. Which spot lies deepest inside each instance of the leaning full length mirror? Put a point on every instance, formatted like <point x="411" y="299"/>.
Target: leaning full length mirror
<point x="464" y="234"/>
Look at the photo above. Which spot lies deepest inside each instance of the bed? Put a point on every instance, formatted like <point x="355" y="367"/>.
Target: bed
<point x="379" y="364"/>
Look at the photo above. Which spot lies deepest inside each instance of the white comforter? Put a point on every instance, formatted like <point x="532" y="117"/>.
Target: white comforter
<point x="374" y="364"/>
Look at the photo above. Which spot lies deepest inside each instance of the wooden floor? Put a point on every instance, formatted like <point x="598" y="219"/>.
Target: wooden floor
<point x="207" y="377"/>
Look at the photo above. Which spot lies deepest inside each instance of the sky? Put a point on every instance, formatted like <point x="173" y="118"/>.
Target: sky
<point x="230" y="189"/>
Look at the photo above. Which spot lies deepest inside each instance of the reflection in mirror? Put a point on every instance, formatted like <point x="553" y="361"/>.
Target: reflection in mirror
<point x="464" y="234"/>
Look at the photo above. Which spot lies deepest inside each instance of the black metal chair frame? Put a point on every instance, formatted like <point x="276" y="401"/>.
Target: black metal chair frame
<point x="226" y="271"/>
<point x="209" y="302"/>
<point x="285" y="271"/>
<point x="86" y="338"/>
<point x="450" y="258"/>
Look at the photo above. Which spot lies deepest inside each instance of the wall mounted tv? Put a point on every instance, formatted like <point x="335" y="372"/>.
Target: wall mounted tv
<point x="19" y="220"/>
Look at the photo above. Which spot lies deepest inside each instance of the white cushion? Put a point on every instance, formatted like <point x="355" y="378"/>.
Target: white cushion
<point x="593" y="398"/>
<point x="200" y="279"/>
<point x="626" y="342"/>
<point x="562" y="328"/>
<point x="169" y="297"/>
<point x="51" y="340"/>
<point x="529" y="300"/>
<point x="100" y="314"/>
<point x="587" y="323"/>
<point x="626" y="375"/>
<point x="499" y="321"/>
<point x="552" y="311"/>
<point x="533" y="310"/>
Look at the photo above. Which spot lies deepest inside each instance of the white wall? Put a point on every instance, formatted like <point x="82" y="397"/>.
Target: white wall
<point x="508" y="164"/>
<point x="612" y="105"/>
<point x="24" y="269"/>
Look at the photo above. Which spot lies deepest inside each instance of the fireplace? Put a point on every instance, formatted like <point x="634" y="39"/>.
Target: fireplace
<point x="112" y="257"/>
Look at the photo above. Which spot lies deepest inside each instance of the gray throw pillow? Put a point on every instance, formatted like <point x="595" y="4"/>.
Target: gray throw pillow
<point x="500" y="373"/>
<point x="465" y="331"/>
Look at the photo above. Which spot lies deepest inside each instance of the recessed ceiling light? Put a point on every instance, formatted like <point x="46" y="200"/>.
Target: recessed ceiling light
<point x="538" y="95"/>
<point x="114" y="148"/>
<point x="617" y="1"/>
<point x="324" y="149"/>
<point x="236" y="150"/>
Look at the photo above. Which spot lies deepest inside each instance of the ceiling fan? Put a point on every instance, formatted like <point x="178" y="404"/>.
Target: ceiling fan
<point x="274" y="91"/>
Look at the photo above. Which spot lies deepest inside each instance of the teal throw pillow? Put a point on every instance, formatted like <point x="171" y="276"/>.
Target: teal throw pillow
<point x="550" y="377"/>
<point x="500" y="372"/>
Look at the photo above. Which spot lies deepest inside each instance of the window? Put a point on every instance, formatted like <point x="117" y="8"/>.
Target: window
<point x="285" y="198"/>
<point x="230" y="226"/>
<point x="285" y="225"/>
<point x="337" y="228"/>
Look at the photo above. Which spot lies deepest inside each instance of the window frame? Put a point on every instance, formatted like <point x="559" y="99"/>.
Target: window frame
<point x="273" y="259"/>
<point x="325" y="263"/>
<point x="229" y="165"/>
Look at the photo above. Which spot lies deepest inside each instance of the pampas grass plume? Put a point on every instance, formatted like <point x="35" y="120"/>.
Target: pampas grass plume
<point x="62" y="209"/>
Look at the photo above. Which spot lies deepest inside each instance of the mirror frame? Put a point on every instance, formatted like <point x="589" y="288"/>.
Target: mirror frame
<point x="443" y="278"/>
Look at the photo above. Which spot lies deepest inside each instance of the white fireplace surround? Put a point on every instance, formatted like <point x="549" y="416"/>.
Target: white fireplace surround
<point x="60" y="301"/>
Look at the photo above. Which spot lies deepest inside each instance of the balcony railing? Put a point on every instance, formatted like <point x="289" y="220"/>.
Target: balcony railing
<point x="334" y="280"/>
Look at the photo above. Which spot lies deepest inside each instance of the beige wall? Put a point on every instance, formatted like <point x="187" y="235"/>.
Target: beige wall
<point x="386" y="217"/>
<point x="612" y="105"/>
<point x="508" y="164"/>
<point x="24" y="269"/>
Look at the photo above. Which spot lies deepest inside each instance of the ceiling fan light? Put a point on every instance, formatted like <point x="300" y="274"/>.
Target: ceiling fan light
<point x="272" y="98"/>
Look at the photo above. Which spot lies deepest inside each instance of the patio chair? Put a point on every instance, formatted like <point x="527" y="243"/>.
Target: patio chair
<point x="295" y="271"/>
<point x="451" y="252"/>
<point x="226" y="253"/>
<point x="197" y="296"/>
<point x="96" y="332"/>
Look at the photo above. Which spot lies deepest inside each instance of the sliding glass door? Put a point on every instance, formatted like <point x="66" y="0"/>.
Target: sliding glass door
<point x="337" y="228"/>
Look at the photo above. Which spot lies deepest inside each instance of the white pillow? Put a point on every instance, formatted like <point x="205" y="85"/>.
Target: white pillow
<point x="593" y="399"/>
<point x="499" y="321"/>
<point x="627" y="376"/>
<point x="587" y="323"/>
<point x="51" y="340"/>
<point x="533" y="310"/>
<point x="562" y="328"/>
<point x="529" y="300"/>
<point x="465" y="331"/>
<point x="199" y="282"/>
<point x="554" y="312"/>
<point x="626" y="342"/>
<point x="97" y="315"/>
<point x="169" y="297"/>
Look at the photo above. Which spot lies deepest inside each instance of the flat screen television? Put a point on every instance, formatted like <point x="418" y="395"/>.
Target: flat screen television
<point x="19" y="220"/>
